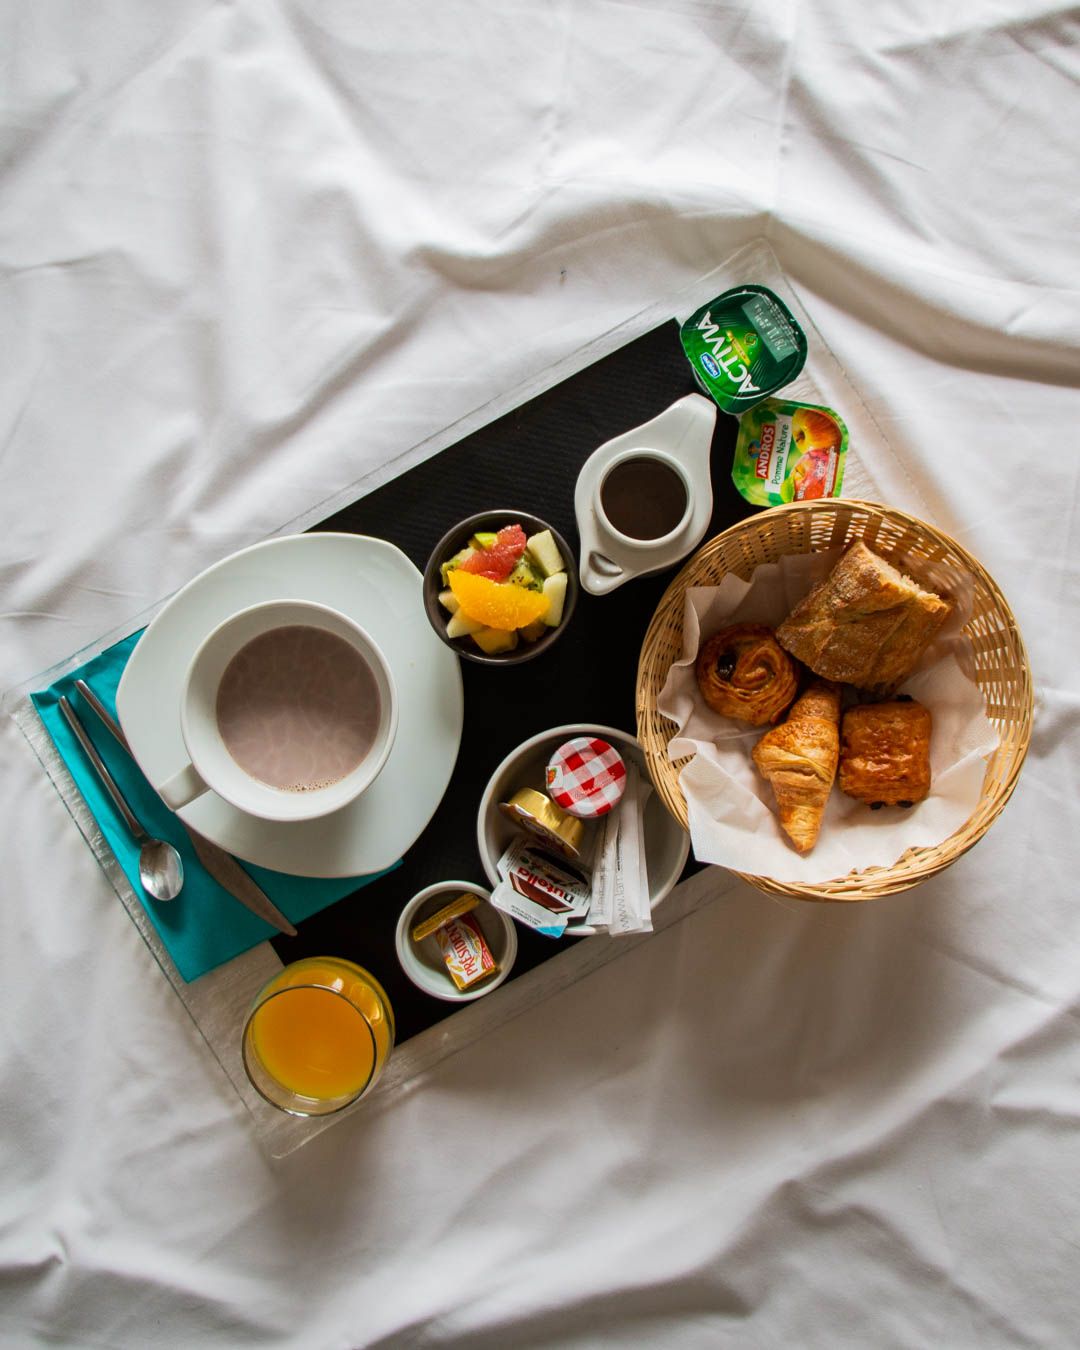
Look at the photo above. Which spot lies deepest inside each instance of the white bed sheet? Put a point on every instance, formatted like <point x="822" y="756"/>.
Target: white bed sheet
<point x="251" y="252"/>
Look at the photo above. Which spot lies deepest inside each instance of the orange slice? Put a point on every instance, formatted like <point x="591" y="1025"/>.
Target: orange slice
<point x="498" y="606"/>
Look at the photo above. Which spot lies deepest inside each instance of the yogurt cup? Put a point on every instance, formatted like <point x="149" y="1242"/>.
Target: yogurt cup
<point x="743" y="346"/>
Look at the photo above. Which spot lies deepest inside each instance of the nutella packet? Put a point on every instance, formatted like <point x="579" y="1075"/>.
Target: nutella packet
<point x="789" y="452"/>
<point x="527" y="911"/>
<point x="541" y="889"/>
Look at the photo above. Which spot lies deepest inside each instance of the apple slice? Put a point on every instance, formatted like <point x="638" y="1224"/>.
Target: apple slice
<point x="448" y="566"/>
<point x="555" y="590"/>
<point x="461" y="625"/>
<point x="494" y="640"/>
<point x="545" y="553"/>
<point x="449" y="601"/>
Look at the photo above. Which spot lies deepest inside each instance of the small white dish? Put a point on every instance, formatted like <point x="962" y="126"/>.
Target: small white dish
<point x="374" y="584"/>
<point x="667" y="844"/>
<point x="680" y="436"/>
<point x="422" y="961"/>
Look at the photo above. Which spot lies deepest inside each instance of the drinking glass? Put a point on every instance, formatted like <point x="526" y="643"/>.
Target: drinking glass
<point x="318" y="1036"/>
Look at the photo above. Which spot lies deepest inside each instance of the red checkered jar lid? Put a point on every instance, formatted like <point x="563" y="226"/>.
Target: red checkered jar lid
<point x="586" y="776"/>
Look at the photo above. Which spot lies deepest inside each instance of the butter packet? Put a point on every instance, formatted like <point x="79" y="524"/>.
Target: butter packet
<point x="466" y="952"/>
<point x="789" y="452"/>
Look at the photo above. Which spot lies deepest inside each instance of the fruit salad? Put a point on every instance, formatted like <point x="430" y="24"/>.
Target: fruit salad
<point x="503" y="588"/>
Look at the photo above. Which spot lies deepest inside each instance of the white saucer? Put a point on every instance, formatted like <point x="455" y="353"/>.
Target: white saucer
<point x="684" y="431"/>
<point x="371" y="582"/>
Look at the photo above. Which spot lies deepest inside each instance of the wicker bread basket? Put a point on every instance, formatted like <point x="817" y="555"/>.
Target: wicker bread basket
<point x="1000" y="663"/>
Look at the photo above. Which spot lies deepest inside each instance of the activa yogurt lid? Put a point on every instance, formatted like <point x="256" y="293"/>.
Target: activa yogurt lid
<point x="743" y="346"/>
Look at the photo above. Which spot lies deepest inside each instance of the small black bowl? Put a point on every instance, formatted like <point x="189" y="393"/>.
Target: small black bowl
<point x="456" y="539"/>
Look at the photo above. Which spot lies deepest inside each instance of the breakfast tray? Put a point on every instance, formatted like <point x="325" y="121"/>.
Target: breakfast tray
<point x="522" y="450"/>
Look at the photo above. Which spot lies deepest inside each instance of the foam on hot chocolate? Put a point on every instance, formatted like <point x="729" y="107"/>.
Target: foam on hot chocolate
<point x="298" y="708"/>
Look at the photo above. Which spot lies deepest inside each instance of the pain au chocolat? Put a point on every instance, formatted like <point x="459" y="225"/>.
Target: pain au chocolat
<point x="866" y="624"/>
<point x="885" y="752"/>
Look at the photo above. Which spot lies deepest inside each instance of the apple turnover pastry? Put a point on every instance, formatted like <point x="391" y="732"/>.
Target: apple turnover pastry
<point x="866" y="624"/>
<point x="743" y="672"/>
<point x="885" y="753"/>
<point x="799" y="759"/>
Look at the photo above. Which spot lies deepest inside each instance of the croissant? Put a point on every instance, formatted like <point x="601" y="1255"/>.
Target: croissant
<point x="799" y="759"/>
<point x="743" y="672"/>
<point x="885" y="752"/>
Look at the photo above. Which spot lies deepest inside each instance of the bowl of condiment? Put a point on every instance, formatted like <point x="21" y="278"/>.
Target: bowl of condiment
<point x="500" y="587"/>
<point x="524" y="770"/>
<point x="453" y="943"/>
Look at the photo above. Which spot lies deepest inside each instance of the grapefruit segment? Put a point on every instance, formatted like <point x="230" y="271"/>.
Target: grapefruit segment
<point x="499" y="560"/>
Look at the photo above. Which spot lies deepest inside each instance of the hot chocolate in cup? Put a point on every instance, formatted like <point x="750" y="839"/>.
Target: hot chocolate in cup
<point x="644" y="499"/>
<point x="288" y="712"/>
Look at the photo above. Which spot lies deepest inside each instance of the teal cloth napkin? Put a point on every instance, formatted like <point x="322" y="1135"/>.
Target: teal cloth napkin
<point x="204" y="926"/>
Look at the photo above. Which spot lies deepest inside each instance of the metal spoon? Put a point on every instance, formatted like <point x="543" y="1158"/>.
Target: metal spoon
<point x="222" y="866"/>
<point x="161" y="870"/>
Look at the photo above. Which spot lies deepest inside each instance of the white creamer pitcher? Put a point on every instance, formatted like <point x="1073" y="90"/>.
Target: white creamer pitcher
<point x="643" y="500"/>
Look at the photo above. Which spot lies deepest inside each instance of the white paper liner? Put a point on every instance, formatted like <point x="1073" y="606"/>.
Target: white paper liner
<point x="732" y="813"/>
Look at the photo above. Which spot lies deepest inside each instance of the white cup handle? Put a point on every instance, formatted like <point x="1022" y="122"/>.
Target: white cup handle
<point x="600" y="574"/>
<point x="182" y="787"/>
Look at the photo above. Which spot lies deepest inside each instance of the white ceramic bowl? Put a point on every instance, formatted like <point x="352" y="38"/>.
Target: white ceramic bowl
<point x="667" y="845"/>
<point x="423" y="961"/>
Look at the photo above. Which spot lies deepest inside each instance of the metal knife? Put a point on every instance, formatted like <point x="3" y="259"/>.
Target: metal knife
<point x="227" y="872"/>
<point x="222" y="866"/>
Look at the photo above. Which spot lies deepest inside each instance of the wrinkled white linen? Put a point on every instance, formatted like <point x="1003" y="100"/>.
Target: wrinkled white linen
<point x="252" y="252"/>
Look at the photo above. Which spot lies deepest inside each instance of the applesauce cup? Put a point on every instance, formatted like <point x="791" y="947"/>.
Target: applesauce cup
<point x="318" y="1036"/>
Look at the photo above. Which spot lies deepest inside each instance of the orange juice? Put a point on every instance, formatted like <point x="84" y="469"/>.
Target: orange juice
<point x="321" y="1031"/>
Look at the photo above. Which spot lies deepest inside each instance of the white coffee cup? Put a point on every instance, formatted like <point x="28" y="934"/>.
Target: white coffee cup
<point x="658" y="540"/>
<point x="213" y="768"/>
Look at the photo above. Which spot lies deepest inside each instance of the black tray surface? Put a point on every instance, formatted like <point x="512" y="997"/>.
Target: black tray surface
<point x="527" y="459"/>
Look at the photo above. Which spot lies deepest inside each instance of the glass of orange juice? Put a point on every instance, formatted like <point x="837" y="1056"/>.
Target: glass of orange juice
<point x="318" y="1036"/>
